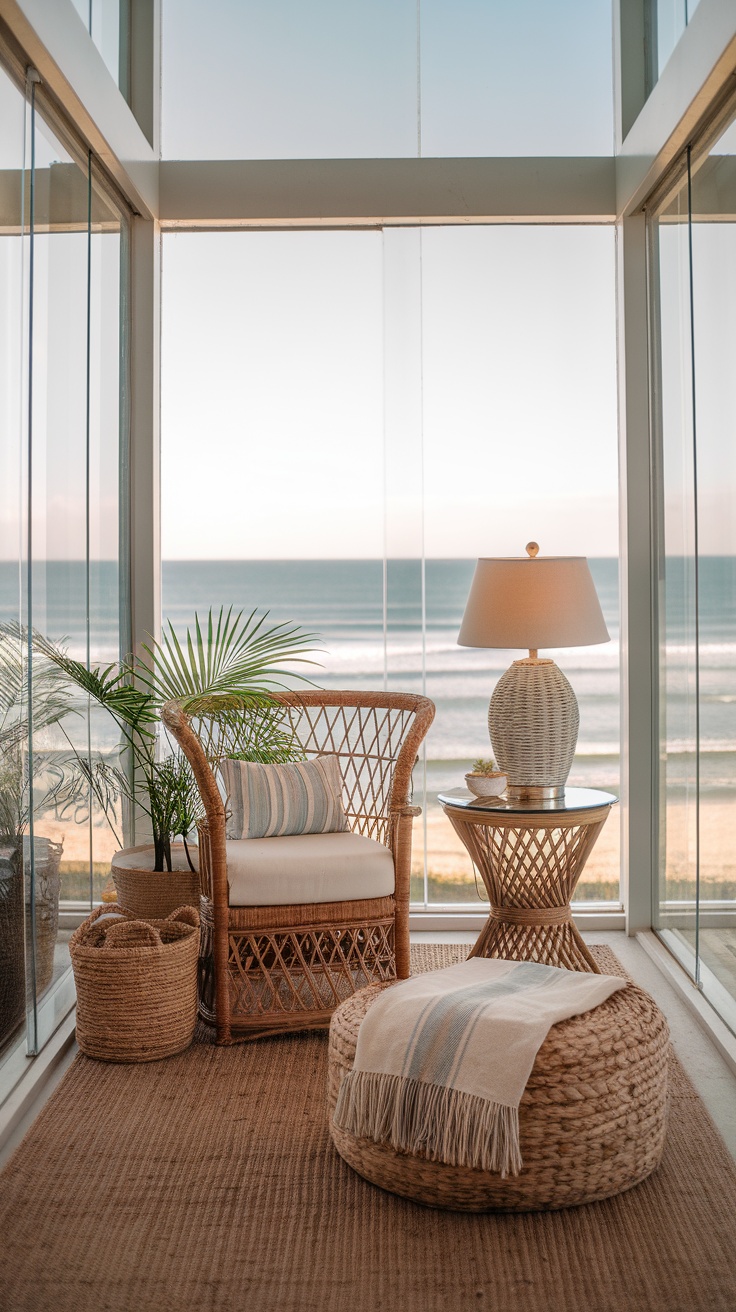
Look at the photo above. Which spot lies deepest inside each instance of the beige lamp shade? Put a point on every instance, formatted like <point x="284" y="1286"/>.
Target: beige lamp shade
<point x="533" y="601"/>
<point x="545" y="601"/>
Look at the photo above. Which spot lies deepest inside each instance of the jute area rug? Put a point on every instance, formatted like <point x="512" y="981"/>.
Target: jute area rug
<point x="208" y="1181"/>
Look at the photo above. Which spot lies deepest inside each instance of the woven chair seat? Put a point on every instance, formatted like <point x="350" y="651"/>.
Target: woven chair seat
<point x="591" y="1120"/>
<point x="302" y="868"/>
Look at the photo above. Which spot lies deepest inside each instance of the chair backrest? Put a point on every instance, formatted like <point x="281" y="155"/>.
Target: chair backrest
<point x="375" y="735"/>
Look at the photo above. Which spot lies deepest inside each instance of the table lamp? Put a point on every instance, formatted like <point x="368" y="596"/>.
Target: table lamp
<point x="533" y="601"/>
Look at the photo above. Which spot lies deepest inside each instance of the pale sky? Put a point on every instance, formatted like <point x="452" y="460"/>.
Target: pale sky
<point x="353" y="394"/>
<point x="329" y="394"/>
<point x="342" y="78"/>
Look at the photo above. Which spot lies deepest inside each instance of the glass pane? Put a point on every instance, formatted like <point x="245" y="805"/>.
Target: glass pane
<point x="333" y="79"/>
<point x="107" y="21"/>
<point x="272" y="429"/>
<point x="350" y="79"/>
<point x="60" y="345"/>
<point x="714" y="310"/>
<point x="678" y="678"/>
<point x="13" y="699"/>
<point x="516" y="79"/>
<point x="520" y="443"/>
<point x="55" y="593"/>
<point x="358" y="423"/>
<point x="667" y="20"/>
<point x="104" y="496"/>
<point x="105" y="32"/>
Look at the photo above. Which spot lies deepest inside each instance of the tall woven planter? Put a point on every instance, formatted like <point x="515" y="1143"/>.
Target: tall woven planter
<point x="154" y="894"/>
<point x="17" y="924"/>
<point x="12" y="948"/>
<point x="45" y="903"/>
<point x="136" y="984"/>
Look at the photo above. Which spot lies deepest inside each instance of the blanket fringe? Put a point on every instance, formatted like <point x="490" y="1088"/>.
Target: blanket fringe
<point x="445" y="1125"/>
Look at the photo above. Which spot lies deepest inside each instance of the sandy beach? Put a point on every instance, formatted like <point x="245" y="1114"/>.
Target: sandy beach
<point x="448" y="863"/>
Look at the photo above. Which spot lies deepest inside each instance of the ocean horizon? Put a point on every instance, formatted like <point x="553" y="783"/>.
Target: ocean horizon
<point x="394" y="624"/>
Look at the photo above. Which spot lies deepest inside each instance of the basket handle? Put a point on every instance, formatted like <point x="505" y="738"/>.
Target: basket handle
<point x="132" y="934"/>
<point x="186" y="915"/>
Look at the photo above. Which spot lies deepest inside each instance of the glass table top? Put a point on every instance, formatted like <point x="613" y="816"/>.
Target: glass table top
<point x="573" y="799"/>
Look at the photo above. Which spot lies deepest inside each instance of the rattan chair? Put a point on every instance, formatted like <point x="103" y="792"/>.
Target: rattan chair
<point x="276" y="969"/>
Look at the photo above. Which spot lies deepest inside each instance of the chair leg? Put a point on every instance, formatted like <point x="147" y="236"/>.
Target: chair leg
<point x="402" y="874"/>
<point x="222" y="990"/>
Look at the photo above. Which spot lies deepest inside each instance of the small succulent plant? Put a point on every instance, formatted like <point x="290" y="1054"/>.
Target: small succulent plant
<point x="484" y="767"/>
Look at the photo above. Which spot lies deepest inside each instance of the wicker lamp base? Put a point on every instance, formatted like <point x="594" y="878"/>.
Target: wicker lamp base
<point x="533" y="721"/>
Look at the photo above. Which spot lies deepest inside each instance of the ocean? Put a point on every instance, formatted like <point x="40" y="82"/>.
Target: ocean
<point x="366" y="644"/>
<point x="369" y="622"/>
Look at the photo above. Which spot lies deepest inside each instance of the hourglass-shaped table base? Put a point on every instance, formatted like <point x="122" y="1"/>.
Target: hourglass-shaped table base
<point x="530" y="856"/>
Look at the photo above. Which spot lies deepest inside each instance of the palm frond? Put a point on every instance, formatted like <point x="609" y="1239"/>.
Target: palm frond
<point x="51" y="700"/>
<point x="110" y="687"/>
<point x="86" y="780"/>
<point x="238" y="655"/>
<point x="255" y="728"/>
<point x="224" y="672"/>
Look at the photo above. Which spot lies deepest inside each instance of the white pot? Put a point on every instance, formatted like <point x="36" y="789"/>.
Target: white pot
<point x="487" y="785"/>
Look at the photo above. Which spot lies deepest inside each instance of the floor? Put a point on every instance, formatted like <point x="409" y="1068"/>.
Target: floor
<point x="712" y="1076"/>
<point x="718" y="952"/>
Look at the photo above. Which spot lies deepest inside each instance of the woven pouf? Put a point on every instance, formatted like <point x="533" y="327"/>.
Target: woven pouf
<point x="591" y="1121"/>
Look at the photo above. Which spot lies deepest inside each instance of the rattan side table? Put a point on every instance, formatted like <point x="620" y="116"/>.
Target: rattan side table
<point x="530" y="855"/>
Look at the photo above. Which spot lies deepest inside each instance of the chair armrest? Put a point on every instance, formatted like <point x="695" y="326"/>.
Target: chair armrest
<point x="405" y="810"/>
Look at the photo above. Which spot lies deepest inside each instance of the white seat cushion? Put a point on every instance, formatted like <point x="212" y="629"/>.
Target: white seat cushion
<point x="301" y="868"/>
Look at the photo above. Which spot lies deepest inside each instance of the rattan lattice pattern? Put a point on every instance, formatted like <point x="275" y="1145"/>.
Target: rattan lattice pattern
<point x="281" y="968"/>
<point x="530" y="868"/>
<point x="368" y="742"/>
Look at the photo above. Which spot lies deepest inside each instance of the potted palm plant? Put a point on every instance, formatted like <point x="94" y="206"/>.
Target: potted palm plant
<point x="231" y="657"/>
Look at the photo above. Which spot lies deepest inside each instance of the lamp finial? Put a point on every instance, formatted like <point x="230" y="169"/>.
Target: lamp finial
<point x="532" y="549"/>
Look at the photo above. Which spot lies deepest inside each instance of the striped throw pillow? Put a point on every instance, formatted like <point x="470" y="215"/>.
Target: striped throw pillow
<point x="270" y="801"/>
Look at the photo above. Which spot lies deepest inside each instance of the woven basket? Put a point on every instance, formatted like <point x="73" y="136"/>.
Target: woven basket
<point x="592" y="1118"/>
<point x="136" y="984"/>
<point x="153" y="894"/>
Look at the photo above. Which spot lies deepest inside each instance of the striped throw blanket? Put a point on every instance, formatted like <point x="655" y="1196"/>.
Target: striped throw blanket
<point x="442" y="1060"/>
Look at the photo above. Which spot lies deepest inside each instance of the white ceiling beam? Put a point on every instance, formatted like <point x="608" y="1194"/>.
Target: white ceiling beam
<point x="354" y="192"/>
<point x="700" y="71"/>
<point x="202" y="194"/>
<point x="58" y="46"/>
